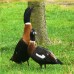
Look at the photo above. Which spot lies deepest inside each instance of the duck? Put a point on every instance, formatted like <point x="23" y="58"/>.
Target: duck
<point x="20" y="54"/>
<point x="42" y="55"/>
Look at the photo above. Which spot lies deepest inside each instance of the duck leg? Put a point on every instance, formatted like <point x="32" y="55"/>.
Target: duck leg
<point x="28" y="62"/>
<point x="41" y="66"/>
<point x="45" y="66"/>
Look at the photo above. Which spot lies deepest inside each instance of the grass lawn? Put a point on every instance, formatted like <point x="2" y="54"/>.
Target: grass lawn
<point x="60" y="27"/>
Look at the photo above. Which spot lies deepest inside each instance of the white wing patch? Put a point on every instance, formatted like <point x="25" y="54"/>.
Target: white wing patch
<point x="40" y="56"/>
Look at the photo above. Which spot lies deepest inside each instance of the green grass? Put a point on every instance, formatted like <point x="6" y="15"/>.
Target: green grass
<point x="60" y="27"/>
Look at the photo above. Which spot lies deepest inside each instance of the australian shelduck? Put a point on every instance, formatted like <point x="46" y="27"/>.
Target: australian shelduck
<point x="20" y="54"/>
<point x="41" y="55"/>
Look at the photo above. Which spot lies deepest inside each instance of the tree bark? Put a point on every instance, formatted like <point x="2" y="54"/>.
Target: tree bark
<point x="39" y="22"/>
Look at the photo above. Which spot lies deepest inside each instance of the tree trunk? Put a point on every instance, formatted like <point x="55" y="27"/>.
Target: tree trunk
<point x="39" y="22"/>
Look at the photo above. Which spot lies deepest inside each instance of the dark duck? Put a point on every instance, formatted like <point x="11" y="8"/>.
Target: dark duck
<point x="41" y="55"/>
<point x="20" y="54"/>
